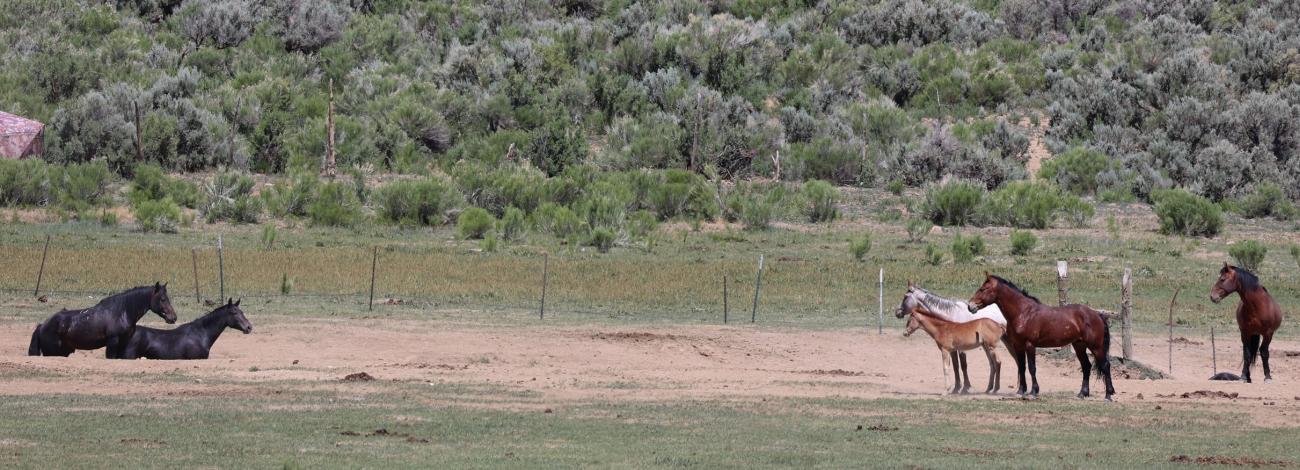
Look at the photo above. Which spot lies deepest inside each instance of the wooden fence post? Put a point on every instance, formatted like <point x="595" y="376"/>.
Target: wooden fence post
<point x="1062" y="275"/>
<point x="724" y="299"/>
<point x="546" y="262"/>
<point x="1214" y="352"/>
<point x="880" y="320"/>
<point x="221" y="271"/>
<point x="758" y="284"/>
<point x="1171" y="329"/>
<point x="374" y="264"/>
<point x="1126" y="313"/>
<point x="40" y="275"/>
<point x="194" y="261"/>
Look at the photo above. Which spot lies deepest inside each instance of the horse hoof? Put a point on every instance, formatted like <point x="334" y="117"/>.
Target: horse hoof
<point x="1108" y="398"/>
<point x="1268" y="381"/>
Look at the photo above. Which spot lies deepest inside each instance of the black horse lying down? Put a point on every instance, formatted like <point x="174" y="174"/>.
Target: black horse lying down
<point x="192" y="340"/>
<point x="106" y="324"/>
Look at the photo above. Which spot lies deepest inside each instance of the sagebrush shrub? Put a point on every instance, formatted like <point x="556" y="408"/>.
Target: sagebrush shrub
<point x="1184" y="213"/>
<point x="917" y="229"/>
<point x="1022" y="242"/>
<point x="229" y="197"/>
<point x="602" y="238"/>
<point x="335" y="205"/>
<point x="1266" y="201"/>
<point x="1077" y="170"/>
<point x="965" y="249"/>
<point x="417" y="202"/>
<point x="513" y="224"/>
<point x="859" y="246"/>
<point x="474" y="222"/>
<point x="558" y="221"/>
<point x="953" y="203"/>
<point x="157" y="215"/>
<point x="1248" y="254"/>
<point x="822" y="199"/>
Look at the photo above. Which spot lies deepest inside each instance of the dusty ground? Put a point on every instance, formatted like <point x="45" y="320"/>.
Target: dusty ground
<point x="544" y="366"/>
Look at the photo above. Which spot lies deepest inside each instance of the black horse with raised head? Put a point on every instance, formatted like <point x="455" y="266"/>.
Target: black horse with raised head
<point x="108" y="324"/>
<point x="192" y="340"/>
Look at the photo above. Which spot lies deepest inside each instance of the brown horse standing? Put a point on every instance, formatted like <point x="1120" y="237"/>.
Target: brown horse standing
<point x="955" y="338"/>
<point x="1031" y="325"/>
<point x="1258" y="315"/>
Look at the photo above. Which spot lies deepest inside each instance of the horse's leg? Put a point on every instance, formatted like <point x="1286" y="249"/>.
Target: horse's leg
<point x="1245" y="357"/>
<point x="956" y="372"/>
<point x="965" y="389"/>
<point x="1019" y="356"/>
<point x="1103" y="365"/>
<point x="1082" y="353"/>
<point x="1031" y="357"/>
<point x="995" y="369"/>
<point x="1263" y="355"/>
<point x="1252" y="350"/>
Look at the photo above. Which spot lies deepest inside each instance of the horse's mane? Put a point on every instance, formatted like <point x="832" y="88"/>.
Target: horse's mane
<point x="1017" y="288"/>
<point x="1246" y="280"/>
<point x="940" y="301"/>
<point x="120" y="295"/>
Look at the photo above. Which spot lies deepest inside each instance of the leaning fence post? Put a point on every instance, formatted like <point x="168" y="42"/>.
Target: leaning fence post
<point x="1171" y="329"/>
<point x="221" y="270"/>
<point x="724" y="299"/>
<point x="546" y="262"/>
<point x="374" y="263"/>
<point x="1214" y="352"/>
<point x="880" y="320"/>
<point x="758" y="284"/>
<point x="1062" y="275"/>
<point x="194" y="261"/>
<point x="41" y="274"/>
<point x="1126" y="313"/>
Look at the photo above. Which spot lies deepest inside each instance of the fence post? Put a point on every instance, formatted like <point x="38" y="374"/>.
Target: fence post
<point x="221" y="270"/>
<point x="724" y="299"/>
<point x="1062" y="275"/>
<point x="1171" y="329"/>
<point x="41" y="274"/>
<point x="1214" y="352"/>
<point x="194" y="261"/>
<point x="374" y="263"/>
<point x="546" y="262"/>
<point x="1126" y="313"/>
<point x="880" y="320"/>
<point x="758" y="284"/>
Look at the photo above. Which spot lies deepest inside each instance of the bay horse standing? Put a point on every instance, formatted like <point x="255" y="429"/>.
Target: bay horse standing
<point x="192" y="340"/>
<point x="1032" y="325"/>
<point x="107" y="324"/>
<point x="953" y="338"/>
<point x="1258" y="315"/>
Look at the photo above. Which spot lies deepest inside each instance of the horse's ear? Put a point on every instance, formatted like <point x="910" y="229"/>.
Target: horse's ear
<point x="230" y="301"/>
<point x="1225" y="265"/>
<point x="157" y="287"/>
<point x="987" y="275"/>
<point x="238" y="301"/>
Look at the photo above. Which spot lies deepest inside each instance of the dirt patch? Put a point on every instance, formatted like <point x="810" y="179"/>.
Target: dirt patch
<point x="358" y="377"/>
<point x="878" y="428"/>
<point x="382" y="432"/>
<point x="1225" y="460"/>
<point x="1202" y="394"/>
<point x="837" y="372"/>
<point x="635" y="337"/>
<point x="1185" y="341"/>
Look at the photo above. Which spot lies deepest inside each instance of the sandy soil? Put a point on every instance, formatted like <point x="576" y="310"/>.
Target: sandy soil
<point x="555" y="366"/>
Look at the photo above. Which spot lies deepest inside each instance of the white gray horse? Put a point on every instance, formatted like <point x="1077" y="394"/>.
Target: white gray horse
<point x="948" y="309"/>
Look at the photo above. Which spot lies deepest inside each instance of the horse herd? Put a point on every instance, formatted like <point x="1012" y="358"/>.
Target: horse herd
<point x="111" y="324"/>
<point x="998" y="312"/>
<point x="1001" y="311"/>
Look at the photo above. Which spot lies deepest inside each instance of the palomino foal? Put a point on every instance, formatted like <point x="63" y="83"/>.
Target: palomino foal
<point x="953" y="338"/>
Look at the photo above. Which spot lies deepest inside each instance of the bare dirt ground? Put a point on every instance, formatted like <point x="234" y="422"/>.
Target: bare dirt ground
<point x="526" y="367"/>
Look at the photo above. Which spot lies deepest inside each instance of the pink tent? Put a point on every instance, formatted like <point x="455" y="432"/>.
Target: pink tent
<point x="20" y="137"/>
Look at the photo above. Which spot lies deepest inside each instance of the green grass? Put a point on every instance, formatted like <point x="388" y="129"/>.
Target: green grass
<point x="314" y="431"/>
<point x="808" y="279"/>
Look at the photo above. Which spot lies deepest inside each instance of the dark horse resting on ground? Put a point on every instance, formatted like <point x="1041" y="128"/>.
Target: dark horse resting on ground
<point x="192" y="340"/>
<point x="1258" y="315"/>
<point x="108" y="323"/>
<point x="1031" y="325"/>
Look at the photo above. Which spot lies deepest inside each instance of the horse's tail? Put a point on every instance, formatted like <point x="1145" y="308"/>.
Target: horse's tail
<point x="1105" y="341"/>
<point x="35" y="348"/>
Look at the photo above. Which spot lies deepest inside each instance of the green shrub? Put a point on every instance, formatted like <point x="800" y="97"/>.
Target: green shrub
<point x="859" y="247"/>
<point x="1035" y="205"/>
<point x="917" y="229"/>
<point x="1295" y="254"/>
<point x="513" y="224"/>
<point x="268" y="236"/>
<point x="933" y="255"/>
<point x="558" y="221"/>
<point x="292" y="195"/>
<point x="286" y="284"/>
<point x="1248" y="254"/>
<point x="157" y="216"/>
<point x="1022" y="242"/>
<point x="1114" y="195"/>
<point x="108" y="218"/>
<point x="952" y="203"/>
<point x="1184" y="213"/>
<point x="822" y="198"/>
<point x="229" y="197"/>
<point x="335" y="205"/>
<point x="24" y="182"/>
<point x="895" y="187"/>
<point x="417" y="202"/>
<point x="1266" y="201"/>
<point x="1076" y="211"/>
<point x="474" y="222"/>
<point x="1076" y="170"/>
<point x="756" y="212"/>
<point x="81" y="186"/>
<point x="489" y="243"/>
<point x="641" y="224"/>
<point x="602" y="238"/>
<point x="965" y="249"/>
<point x="150" y="183"/>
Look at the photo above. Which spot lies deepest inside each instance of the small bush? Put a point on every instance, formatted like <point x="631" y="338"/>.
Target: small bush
<point x="965" y="249"/>
<point x="859" y="247"/>
<point x="1076" y="170"/>
<point x="822" y="199"/>
<point x="1076" y="211"/>
<point x="286" y="284"/>
<point x="558" y="221"/>
<point x="756" y="212"/>
<point x="953" y="203"/>
<point x="1266" y="201"/>
<point x="641" y="223"/>
<point x="512" y="224"/>
<point x="108" y="218"/>
<point x="933" y="255"/>
<point x="602" y="238"/>
<point x="150" y="183"/>
<point x="81" y="186"/>
<point x="917" y="229"/>
<point x="895" y="187"/>
<point x="1184" y="213"/>
<point x="1114" y="195"/>
<point x="417" y="202"/>
<point x="229" y="197"/>
<point x="1248" y="254"/>
<point x="157" y="216"/>
<point x="24" y="182"/>
<point x="292" y="195"/>
<point x="268" y="236"/>
<point x="335" y="205"/>
<point x="1295" y="254"/>
<point x="474" y="223"/>
<point x="489" y="243"/>
<point x="1022" y="242"/>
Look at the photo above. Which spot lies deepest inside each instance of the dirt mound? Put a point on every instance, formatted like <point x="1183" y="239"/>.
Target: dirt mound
<point x="1201" y="394"/>
<point x="839" y="372"/>
<point x="382" y="432"/>
<point x="358" y="377"/>
<point x="635" y="337"/>
<point x="1224" y="460"/>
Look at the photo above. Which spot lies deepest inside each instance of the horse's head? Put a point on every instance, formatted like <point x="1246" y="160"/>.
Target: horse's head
<point x="909" y="300"/>
<point x="235" y="317"/>
<point x="912" y="324"/>
<point x="1227" y="283"/>
<point x="986" y="295"/>
<point x="161" y="304"/>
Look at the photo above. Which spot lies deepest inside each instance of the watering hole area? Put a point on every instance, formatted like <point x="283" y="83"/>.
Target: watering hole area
<point x="455" y="389"/>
